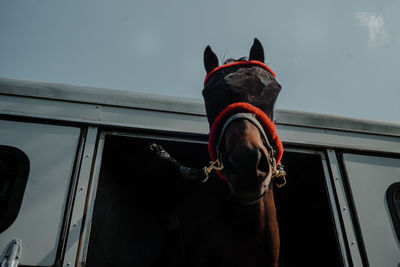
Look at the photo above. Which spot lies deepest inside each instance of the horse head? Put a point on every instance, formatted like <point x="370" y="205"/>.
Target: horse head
<point x="239" y="98"/>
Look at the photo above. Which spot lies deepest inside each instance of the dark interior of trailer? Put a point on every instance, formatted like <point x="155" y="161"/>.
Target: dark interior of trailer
<point x="142" y="212"/>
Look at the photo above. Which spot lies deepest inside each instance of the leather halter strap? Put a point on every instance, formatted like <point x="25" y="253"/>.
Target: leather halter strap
<point x="240" y="107"/>
<point x="243" y="116"/>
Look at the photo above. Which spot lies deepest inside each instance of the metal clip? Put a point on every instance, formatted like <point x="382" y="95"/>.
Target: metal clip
<point x="13" y="254"/>
<point x="214" y="165"/>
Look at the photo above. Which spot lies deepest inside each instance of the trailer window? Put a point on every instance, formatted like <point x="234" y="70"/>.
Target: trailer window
<point x="14" y="170"/>
<point x="304" y="213"/>
<point x="142" y="215"/>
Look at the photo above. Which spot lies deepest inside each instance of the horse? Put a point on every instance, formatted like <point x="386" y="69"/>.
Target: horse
<point x="161" y="212"/>
<point x="239" y="227"/>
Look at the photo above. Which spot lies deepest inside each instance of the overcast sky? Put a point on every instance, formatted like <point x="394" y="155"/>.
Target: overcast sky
<point x="335" y="57"/>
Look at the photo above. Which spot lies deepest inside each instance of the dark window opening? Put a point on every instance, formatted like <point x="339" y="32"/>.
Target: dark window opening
<point x="14" y="171"/>
<point x="141" y="215"/>
<point x="307" y="230"/>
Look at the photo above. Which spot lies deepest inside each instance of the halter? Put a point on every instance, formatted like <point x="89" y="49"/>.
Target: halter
<point x="242" y="116"/>
<point x="249" y="112"/>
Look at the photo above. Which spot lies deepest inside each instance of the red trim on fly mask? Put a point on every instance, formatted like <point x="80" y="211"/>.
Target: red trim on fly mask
<point x="242" y="62"/>
<point x="265" y="121"/>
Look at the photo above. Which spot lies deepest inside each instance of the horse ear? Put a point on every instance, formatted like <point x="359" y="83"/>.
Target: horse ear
<point x="210" y="59"/>
<point x="257" y="51"/>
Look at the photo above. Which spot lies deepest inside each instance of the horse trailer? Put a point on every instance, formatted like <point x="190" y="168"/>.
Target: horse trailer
<point x="78" y="188"/>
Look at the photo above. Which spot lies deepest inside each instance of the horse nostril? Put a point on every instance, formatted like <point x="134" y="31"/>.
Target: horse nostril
<point x="263" y="162"/>
<point x="228" y="165"/>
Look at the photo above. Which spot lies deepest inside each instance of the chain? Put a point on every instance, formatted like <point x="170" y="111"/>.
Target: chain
<point x="214" y="165"/>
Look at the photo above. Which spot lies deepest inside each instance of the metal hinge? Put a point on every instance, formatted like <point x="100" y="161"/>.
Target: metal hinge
<point x="13" y="254"/>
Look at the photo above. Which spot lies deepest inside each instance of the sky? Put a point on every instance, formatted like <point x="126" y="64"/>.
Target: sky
<point x="332" y="57"/>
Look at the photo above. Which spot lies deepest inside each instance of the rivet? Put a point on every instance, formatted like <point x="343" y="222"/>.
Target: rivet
<point x="75" y="225"/>
<point x="87" y="155"/>
<point x="337" y="178"/>
<point x="68" y="264"/>
<point x="344" y="208"/>
<point x="81" y="189"/>
<point x="353" y="243"/>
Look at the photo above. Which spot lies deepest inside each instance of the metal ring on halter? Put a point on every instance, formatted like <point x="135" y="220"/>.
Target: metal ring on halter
<point x="278" y="173"/>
